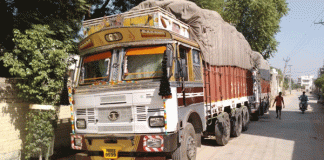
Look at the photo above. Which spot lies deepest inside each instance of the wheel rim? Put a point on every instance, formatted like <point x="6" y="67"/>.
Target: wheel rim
<point x="191" y="147"/>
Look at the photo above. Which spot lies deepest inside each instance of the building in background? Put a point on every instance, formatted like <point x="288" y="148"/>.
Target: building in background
<point x="307" y="81"/>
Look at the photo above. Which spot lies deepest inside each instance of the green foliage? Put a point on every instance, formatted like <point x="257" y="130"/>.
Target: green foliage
<point x="40" y="61"/>
<point x="40" y="129"/>
<point x="258" y="21"/>
<point x="319" y="82"/>
<point x="107" y="7"/>
<point x="216" y="5"/>
<point x="63" y="18"/>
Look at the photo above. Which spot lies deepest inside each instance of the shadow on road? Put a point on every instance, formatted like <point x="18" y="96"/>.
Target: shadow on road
<point x="304" y="132"/>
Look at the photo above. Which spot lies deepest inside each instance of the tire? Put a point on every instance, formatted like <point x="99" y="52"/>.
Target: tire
<point x="261" y="109"/>
<point x="303" y="111"/>
<point x="223" y="131"/>
<point x="246" y="120"/>
<point x="176" y="154"/>
<point x="255" y="116"/>
<point x="237" y="126"/>
<point x="267" y="107"/>
<point x="188" y="148"/>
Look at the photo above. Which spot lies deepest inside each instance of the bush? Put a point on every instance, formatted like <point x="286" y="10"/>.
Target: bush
<point x="40" y="61"/>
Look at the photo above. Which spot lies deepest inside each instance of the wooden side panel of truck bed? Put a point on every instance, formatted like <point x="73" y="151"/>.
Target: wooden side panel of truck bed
<point x="227" y="82"/>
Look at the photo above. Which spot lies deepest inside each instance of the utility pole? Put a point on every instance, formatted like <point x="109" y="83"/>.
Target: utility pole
<point x="284" y="74"/>
<point x="290" y="78"/>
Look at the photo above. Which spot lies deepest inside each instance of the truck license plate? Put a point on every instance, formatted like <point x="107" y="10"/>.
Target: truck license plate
<point x="111" y="153"/>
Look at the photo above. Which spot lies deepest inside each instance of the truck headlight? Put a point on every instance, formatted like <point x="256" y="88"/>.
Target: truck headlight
<point x="154" y="143"/>
<point x="156" y="121"/>
<point x="81" y="123"/>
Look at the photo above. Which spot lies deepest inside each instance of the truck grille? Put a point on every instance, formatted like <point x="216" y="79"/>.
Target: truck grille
<point x="156" y="110"/>
<point x="89" y="113"/>
<point x="114" y="128"/>
<point x="141" y="113"/>
<point x="124" y="114"/>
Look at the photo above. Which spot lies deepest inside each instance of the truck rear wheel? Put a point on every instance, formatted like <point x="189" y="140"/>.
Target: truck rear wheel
<point x="255" y="116"/>
<point x="188" y="146"/>
<point x="223" y="131"/>
<point x="246" y="119"/>
<point x="237" y="125"/>
<point x="266" y="108"/>
<point x="261" y="109"/>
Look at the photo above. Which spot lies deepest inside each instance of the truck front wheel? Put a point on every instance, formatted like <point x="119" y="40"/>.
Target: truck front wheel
<point x="176" y="154"/>
<point x="188" y="146"/>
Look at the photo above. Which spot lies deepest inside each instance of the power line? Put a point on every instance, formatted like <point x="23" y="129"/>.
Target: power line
<point x="303" y="40"/>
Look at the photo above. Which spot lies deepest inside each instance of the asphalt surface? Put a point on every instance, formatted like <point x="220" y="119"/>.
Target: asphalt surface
<point x="296" y="136"/>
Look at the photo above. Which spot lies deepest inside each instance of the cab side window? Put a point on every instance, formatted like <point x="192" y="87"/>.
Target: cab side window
<point x="196" y="65"/>
<point x="183" y="63"/>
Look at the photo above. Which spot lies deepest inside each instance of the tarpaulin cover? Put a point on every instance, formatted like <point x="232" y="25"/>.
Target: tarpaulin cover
<point x="220" y="43"/>
<point x="262" y="65"/>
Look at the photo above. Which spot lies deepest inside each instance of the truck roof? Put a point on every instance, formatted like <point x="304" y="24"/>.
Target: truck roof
<point x="154" y="17"/>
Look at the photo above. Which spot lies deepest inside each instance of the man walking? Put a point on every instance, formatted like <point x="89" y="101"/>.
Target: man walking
<point x="279" y="103"/>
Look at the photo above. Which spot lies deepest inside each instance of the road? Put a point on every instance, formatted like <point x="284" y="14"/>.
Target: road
<point x="296" y="136"/>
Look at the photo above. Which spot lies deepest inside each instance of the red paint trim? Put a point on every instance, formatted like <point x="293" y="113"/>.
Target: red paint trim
<point x="191" y="100"/>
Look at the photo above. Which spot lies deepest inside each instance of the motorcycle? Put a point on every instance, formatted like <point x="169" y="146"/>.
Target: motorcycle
<point x="303" y="106"/>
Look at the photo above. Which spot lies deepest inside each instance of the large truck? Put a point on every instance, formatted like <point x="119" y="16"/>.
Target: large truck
<point x="151" y="82"/>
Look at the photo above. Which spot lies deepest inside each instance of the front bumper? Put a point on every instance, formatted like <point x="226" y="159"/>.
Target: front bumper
<point x="126" y="145"/>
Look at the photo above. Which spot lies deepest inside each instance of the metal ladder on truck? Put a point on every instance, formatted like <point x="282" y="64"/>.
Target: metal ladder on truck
<point x="207" y="95"/>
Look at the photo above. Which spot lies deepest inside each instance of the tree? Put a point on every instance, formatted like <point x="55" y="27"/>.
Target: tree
<point x="110" y="7"/>
<point x="258" y="21"/>
<point x="62" y="17"/>
<point x="40" y="60"/>
<point x="216" y="5"/>
<point x="37" y="38"/>
<point x="319" y="82"/>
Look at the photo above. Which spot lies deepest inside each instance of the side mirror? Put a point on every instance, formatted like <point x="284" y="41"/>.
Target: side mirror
<point x="168" y="53"/>
<point x="177" y="73"/>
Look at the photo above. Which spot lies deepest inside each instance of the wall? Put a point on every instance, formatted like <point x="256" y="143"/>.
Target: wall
<point x="13" y="113"/>
<point x="274" y="83"/>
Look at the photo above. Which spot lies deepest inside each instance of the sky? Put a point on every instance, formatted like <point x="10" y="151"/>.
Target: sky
<point x="300" y="39"/>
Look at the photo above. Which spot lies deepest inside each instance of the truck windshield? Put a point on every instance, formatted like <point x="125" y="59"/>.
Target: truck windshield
<point x="95" y="68"/>
<point x="143" y="63"/>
